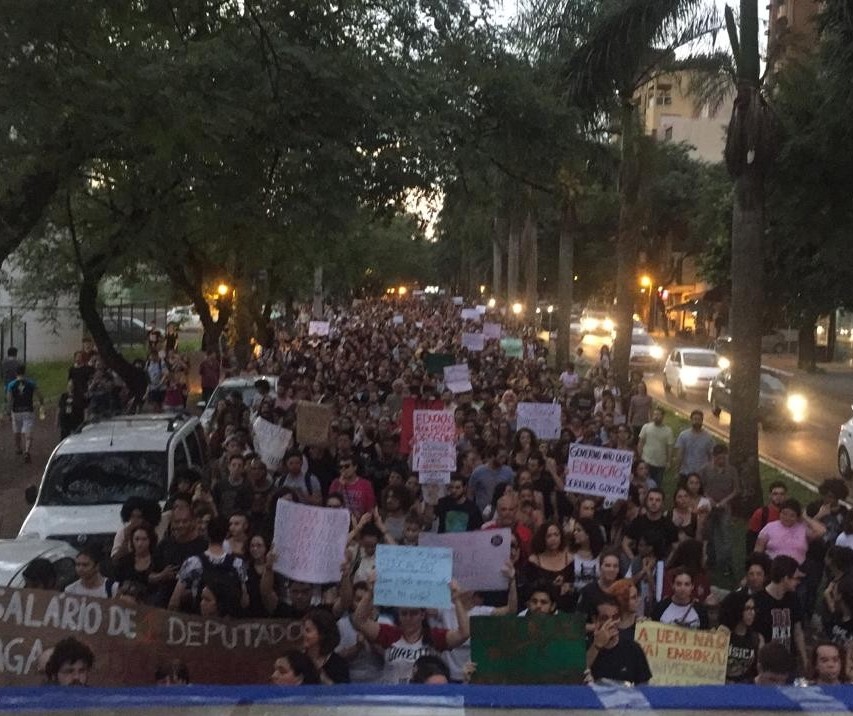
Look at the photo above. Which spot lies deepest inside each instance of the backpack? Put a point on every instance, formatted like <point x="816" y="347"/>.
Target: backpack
<point x="222" y="572"/>
<point x="752" y="537"/>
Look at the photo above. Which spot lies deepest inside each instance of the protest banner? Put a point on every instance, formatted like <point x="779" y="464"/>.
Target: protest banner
<point x="536" y="649"/>
<point x="434" y="477"/>
<point x="434" y="363"/>
<point x="599" y="471"/>
<point x="407" y="419"/>
<point x="457" y="378"/>
<point x="492" y="331"/>
<point x="397" y="320"/>
<point x="131" y="641"/>
<point x="512" y="347"/>
<point x="544" y="419"/>
<point x="679" y="656"/>
<point x="318" y="328"/>
<point x="309" y="541"/>
<point x="271" y="442"/>
<point x="413" y="576"/>
<point x="473" y="341"/>
<point x="470" y="314"/>
<point x="478" y="557"/>
<point x="312" y="423"/>
<point x="434" y="441"/>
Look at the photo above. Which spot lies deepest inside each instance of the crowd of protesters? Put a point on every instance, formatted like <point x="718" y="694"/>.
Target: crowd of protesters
<point x="653" y="555"/>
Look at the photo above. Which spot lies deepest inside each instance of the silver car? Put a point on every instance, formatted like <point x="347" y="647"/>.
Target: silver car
<point x="16" y="554"/>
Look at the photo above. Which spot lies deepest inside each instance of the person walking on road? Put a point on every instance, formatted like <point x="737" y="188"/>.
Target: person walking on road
<point x="693" y="447"/>
<point x="21" y="394"/>
<point x="655" y="445"/>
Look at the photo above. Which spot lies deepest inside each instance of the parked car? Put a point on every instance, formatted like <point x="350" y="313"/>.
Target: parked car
<point x="845" y="449"/>
<point x="185" y="317"/>
<point x="93" y="471"/>
<point x="646" y="354"/>
<point x="126" y="330"/>
<point x="246" y="388"/>
<point x="690" y="369"/>
<point x="772" y="342"/>
<point x="597" y="322"/>
<point x="16" y="554"/>
<point x="777" y="406"/>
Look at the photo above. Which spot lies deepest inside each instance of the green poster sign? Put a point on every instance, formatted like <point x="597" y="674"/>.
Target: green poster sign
<point x="537" y="649"/>
<point x="513" y="347"/>
<point x="435" y="362"/>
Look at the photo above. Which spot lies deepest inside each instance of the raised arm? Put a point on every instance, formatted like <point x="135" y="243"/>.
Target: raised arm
<point x="457" y="637"/>
<point x="362" y="618"/>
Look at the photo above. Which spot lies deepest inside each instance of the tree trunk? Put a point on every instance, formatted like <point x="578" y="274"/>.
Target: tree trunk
<point x="806" y="348"/>
<point x="317" y="306"/>
<point x="512" y="261"/>
<point x="831" y="335"/>
<point x="565" y="284"/>
<point x="498" y="226"/>
<point x="87" y="302"/>
<point x="531" y="262"/>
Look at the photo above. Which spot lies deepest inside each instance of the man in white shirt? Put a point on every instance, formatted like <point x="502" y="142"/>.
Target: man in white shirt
<point x="90" y="582"/>
<point x="655" y="445"/>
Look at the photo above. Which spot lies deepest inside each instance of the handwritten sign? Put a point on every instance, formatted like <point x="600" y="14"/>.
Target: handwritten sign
<point x="434" y="436"/>
<point x="310" y="541"/>
<point x="544" y="419"/>
<point x="536" y="649"/>
<point x="470" y="314"/>
<point x="407" y="419"/>
<point x="492" y="331"/>
<point x="130" y="641"/>
<point x="599" y="471"/>
<point x="271" y="442"/>
<point x="478" y="557"/>
<point x="434" y="477"/>
<point x="473" y="341"/>
<point x="512" y="347"/>
<point x="457" y="378"/>
<point x="318" y="328"/>
<point x="679" y="656"/>
<point x="413" y="576"/>
<point x="312" y="423"/>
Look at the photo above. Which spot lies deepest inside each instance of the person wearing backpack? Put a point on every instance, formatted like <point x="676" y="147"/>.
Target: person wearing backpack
<point x="214" y="563"/>
<point x="297" y="477"/>
<point x="763" y="515"/>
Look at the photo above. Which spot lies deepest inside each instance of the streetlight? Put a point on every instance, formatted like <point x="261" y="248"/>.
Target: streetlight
<point x="482" y="289"/>
<point x="222" y="289"/>
<point x="402" y="291"/>
<point x="517" y="308"/>
<point x="550" y="310"/>
<point x="492" y="303"/>
<point x="646" y="283"/>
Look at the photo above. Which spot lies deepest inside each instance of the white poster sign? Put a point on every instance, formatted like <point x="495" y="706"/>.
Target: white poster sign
<point x="397" y="320"/>
<point x="544" y="419"/>
<point x="434" y="433"/>
<point x="318" y="328"/>
<point x="478" y="557"/>
<point x="458" y="300"/>
<point x="470" y="314"/>
<point x="473" y="341"/>
<point x="481" y="310"/>
<point x="492" y="331"/>
<point x="457" y="378"/>
<point x="427" y="477"/>
<point x="309" y="541"/>
<point x="271" y="442"/>
<point x="599" y="471"/>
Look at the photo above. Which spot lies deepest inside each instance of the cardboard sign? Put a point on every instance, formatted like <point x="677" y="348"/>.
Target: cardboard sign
<point x="433" y="477"/>
<point x="312" y="423"/>
<point x="310" y="541"/>
<point x="478" y="557"/>
<point x="679" y="656"/>
<point x="435" y="441"/>
<point x="129" y="642"/>
<point x="457" y="378"/>
<point x="318" y="328"/>
<point x="413" y="576"/>
<point x="473" y="341"/>
<point x="434" y="363"/>
<point x="407" y="419"/>
<point x="536" y="649"/>
<point x="271" y="442"/>
<point x="599" y="471"/>
<point x="492" y="331"/>
<point x="544" y="419"/>
<point x="470" y="314"/>
<point x="512" y="347"/>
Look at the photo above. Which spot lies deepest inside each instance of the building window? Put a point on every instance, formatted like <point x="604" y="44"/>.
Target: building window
<point x="664" y="96"/>
<point x="667" y="134"/>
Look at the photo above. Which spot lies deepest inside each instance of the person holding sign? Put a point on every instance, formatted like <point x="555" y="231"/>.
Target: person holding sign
<point x="411" y="637"/>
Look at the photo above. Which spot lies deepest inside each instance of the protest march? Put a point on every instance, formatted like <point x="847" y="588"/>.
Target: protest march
<point x="413" y="493"/>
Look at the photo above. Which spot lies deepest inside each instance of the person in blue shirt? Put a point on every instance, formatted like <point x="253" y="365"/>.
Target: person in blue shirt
<point x="21" y="394"/>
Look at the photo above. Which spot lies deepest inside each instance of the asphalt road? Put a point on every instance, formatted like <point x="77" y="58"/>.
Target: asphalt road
<point x="807" y="451"/>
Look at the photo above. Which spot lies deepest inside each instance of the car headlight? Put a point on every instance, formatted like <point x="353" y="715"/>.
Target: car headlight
<point x="607" y="324"/>
<point x="589" y="324"/>
<point x="724" y="362"/>
<point x="656" y="352"/>
<point x="689" y="376"/>
<point x="797" y="405"/>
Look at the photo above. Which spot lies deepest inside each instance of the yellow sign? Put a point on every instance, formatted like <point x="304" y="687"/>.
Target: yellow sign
<point x="683" y="657"/>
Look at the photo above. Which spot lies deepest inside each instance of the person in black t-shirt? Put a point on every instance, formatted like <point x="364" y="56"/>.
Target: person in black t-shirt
<point x="455" y="512"/>
<point x="653" y="525"/>
<point x="611" y="657"/>
<point x="778" y="614"/>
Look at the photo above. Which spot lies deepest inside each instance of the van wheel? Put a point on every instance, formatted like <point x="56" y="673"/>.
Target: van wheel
<point x="844" y="466"/>
<point x="667" y="388"/>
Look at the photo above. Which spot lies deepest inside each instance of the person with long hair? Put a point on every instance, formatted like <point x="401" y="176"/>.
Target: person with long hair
<point x="627" y="595"/>
<point x="690" y="555"/>
<point x="138" y="565"/>
<point x="552" y="561"/>
<point x="320" y="638"/>
<point x="523" y="446"/>
<point x="828" y="665"/>
<point x="737" y="614"/>
<point x="395" y="503"/>
<point x="682" y="514"/>
<point x="294" y="668"/>
<point x="586" y="543"/>
<point x="608" y="573"/>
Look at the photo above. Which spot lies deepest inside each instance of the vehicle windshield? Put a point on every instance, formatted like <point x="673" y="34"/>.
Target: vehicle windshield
<point x="221" y="393"/>
<point x="642" y="339"/>
<point x="771" y="384"/>
<point x="97" y="478"/>
<point x="701" y="360"/>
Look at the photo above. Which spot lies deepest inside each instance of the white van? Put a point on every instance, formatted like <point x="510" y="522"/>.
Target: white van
<point x="93" y="471"/>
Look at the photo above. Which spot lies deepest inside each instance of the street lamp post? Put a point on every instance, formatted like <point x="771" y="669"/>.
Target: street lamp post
<point x="550" y="310"/>
<point x="646" y="285"/>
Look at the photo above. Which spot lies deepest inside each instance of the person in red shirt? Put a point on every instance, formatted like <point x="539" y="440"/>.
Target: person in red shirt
<point x="357" y="492"/>
<point x="506" y="515"/>
<point x="766" y="514"/>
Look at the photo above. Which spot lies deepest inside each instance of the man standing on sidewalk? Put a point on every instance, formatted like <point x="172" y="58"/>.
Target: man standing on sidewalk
<point x="20" y="395"/>
<point x="655" y="445"/>
<point x="721" y="483"/>
<point x="693" y="447"/>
